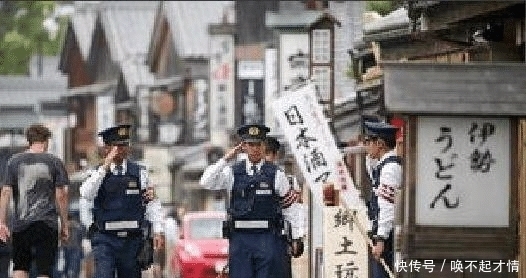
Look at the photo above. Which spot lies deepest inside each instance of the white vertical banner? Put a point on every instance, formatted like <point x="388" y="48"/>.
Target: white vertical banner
<point x="221" y="91"/>
<point x="271" y="85"/>
<point x="307" y="131"/>
<point x="201" y="118"/>
<point x="345" y="251"/>
<point x="293" y="58"/>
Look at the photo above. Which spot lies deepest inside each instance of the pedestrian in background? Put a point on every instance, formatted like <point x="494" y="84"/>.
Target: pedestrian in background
<point x="73" y="251"/>
<point x="386" y="177"/>
<point x="171" y="232"/>
<point x="86" y="220"/>
<point x="257" y="218"/>
<point x="123" y="207"/>
<point x="296" y="246"/>
<point x="5" y="255"/>
<point x="5" y="258"/>
<point x="37" y="181"/>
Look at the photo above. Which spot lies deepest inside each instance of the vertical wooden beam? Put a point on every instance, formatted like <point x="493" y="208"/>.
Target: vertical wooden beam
<point x="522" y="198"/>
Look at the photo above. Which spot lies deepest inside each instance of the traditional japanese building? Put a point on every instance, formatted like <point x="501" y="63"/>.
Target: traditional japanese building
<point x="175" y="121"/>
<point x="451" y="69"/>
<point x="104" y="56"/>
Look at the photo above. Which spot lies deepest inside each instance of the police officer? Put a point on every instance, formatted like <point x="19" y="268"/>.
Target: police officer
<point x="272" y="147"/>
<point x="122" y="204"/>
<point x="257" y="215"/>
<point x="386" y="176"/>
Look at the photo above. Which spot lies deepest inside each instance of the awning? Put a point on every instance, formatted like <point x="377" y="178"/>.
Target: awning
<point x="17" y="120"/>
<point x="468" y="89"/>
<point x="92" y="89"/>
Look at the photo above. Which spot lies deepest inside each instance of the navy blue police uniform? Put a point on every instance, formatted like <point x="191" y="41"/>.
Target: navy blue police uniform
<point x="118" y="214"/>
<point x="256" y="224"/>
<point x="384" y="131"/>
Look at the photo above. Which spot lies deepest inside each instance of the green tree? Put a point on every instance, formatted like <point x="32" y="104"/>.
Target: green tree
<point x="23" y="35"/>
<point x="383" y="7"/>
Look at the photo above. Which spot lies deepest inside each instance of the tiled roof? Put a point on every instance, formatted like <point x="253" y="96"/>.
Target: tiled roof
<point x="189" y="21"/>
<point x="394" y="20"/>
<point x="26" y="91"/>
<point x="49" y="67"/>
<point x="128" y="27"/>
<point x="291" y="18"/>
<point x="136" y="74"/>
<point x="83" y="21"/>
<point x="16" y="120"/>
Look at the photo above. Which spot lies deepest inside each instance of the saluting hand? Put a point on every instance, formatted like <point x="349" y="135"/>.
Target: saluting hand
<point x="110" y="157"/>
<point x="233" y="152"/>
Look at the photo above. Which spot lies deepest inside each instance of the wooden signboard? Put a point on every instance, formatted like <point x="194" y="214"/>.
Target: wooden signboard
<point x="345" y="251"/>
<point x="459" y="200"/>
<point x="459" y="210"/>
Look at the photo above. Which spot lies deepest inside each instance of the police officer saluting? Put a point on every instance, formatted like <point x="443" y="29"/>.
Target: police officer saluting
<point x="386" y="177"/>
<point x="256" y="220"/>
<point x="121" y="207"/>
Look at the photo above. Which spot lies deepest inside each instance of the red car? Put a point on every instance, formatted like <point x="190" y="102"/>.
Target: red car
<point x="201" y="251"/>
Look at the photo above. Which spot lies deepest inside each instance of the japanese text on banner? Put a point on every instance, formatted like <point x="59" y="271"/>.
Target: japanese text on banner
<point x="306" y="129"/>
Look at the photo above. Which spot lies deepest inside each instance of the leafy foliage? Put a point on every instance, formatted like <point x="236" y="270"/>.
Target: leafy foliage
<point x="383" y="7"/>
<point x="22" y="34"/>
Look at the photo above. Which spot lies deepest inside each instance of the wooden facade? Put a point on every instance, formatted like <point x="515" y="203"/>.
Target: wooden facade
<point x="460" y="59"/>
<point x="80" y="104"/>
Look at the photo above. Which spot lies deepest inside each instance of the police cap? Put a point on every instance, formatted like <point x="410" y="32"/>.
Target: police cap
<point x="253" y="133"/>
<point x="381" y="130"/>
<point x="117" y="135"/>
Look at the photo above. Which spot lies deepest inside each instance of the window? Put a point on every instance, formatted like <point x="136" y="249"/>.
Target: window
<point x="322" y="78"/>
<point x="321" y="46"/>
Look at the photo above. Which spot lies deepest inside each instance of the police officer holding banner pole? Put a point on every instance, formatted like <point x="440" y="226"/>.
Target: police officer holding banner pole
<point x="257" y="221"/>
<point x="124" y="210"/>
<point x="386" y="178"/>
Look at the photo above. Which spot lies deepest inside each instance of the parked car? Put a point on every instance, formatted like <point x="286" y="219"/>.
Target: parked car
<point x="201" y="251"/>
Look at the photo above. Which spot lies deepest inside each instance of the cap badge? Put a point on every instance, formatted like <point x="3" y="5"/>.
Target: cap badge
<point x="122" y="131"/>
<point x="253" y="131"/>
